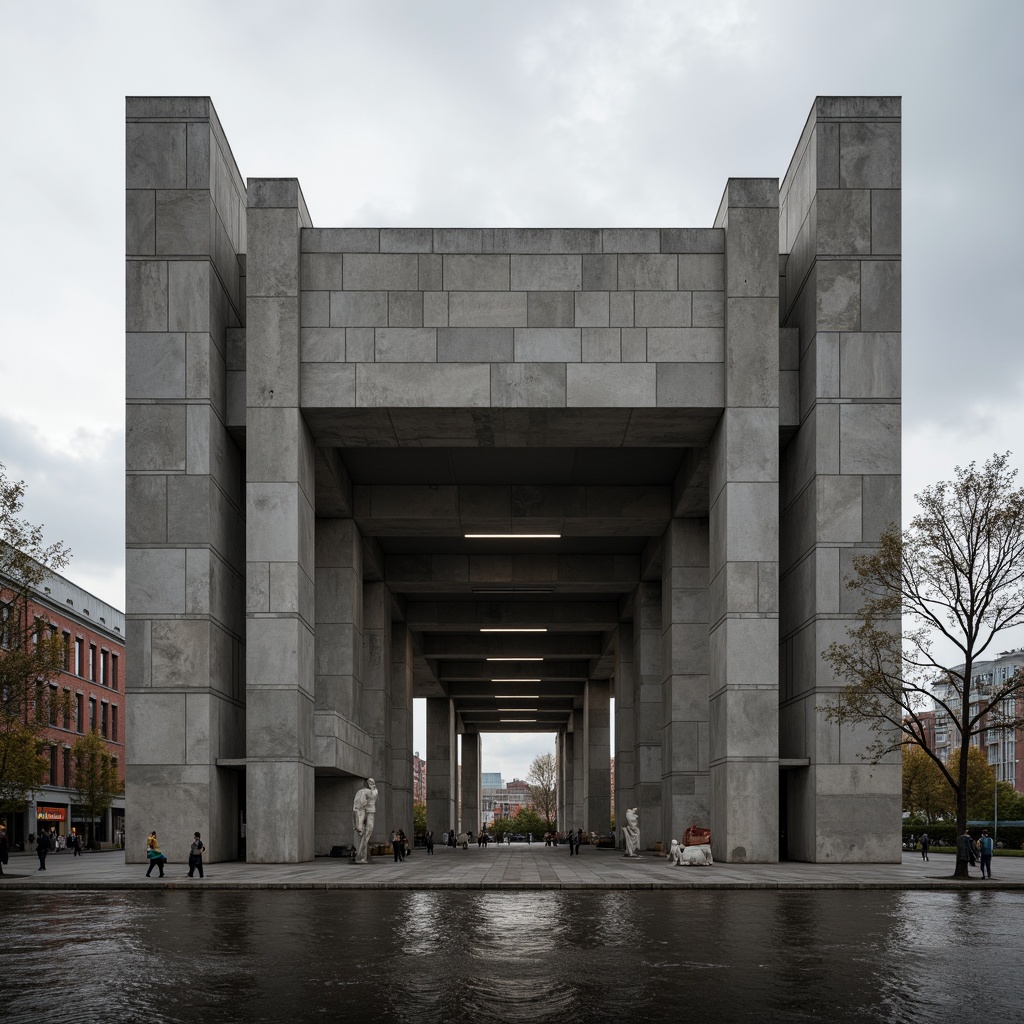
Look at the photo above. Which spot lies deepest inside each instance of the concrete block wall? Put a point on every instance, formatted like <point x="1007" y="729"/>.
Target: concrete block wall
<point x="596" y="756"/>
<point x="185" y="700"/>
<point x="495" y="317"/>
<point x="839" y="226"/>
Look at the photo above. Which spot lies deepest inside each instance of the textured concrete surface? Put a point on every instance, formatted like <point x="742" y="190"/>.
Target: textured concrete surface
<point x="508" y="867"/>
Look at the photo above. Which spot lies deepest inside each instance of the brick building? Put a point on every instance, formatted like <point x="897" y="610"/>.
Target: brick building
<point x="93" y="674"/>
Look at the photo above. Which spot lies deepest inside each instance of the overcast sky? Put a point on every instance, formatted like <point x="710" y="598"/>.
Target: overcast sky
<point x="533" y="114"/>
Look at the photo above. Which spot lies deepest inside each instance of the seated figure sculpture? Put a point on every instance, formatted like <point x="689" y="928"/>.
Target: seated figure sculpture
<point x="698" y="855"/>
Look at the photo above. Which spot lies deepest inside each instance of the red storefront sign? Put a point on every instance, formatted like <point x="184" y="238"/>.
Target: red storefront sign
<point x="51" y="814"/>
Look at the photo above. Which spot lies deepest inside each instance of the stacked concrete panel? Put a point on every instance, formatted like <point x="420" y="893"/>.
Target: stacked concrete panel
<point x="596" y="756"/>
<point x="839" y="226"/>
<point x="185" y="222"/>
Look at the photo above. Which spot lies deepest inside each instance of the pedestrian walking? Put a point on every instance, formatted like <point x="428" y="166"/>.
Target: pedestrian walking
<point x="43" y="847"/>
<point x="397" y="845"/>
<point x="985" y="850"/>
<point x="195" y="856"/>
<point x="430" y="842"/>
<point x="4" y="848"/>
<point x="154" y="856"/>
<point x="572" y="842"/>
<point x="925" y="843"/>
<point x="75" y="842"/>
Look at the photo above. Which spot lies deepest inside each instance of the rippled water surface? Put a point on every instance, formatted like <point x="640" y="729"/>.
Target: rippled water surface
<point x="526" y="956"/>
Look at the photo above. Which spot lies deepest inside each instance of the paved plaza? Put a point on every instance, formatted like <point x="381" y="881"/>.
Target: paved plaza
<point x="506" y="867"/>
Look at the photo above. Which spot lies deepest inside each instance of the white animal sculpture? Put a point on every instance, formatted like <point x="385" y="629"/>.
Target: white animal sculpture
<point x="699" y="855"/>
<point x="675" y="853"/>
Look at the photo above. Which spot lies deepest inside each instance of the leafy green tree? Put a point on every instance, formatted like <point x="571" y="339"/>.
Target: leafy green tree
<point x="31" y="653"/>
<point x="419" y="819"/>
<point x="542" y="776"/>
<point x="528" y="820"/>
<point x="94" y="778"/>
<point x="925" y="791"/>
<point x="956" y="574"/>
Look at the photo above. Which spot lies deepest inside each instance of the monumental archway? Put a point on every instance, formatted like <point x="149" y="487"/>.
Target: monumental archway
<point x="354" y="454"/>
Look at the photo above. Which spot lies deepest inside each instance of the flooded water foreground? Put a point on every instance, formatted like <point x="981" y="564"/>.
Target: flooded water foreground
<point x="453" y="956"/>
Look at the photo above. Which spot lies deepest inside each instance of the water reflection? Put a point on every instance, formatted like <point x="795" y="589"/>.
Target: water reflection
<point x="174" y="956"/>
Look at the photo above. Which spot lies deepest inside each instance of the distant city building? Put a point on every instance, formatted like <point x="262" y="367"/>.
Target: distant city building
<point x="999" y="745"/>
<point x="93" y="674"/>
<point x="419" y="779"/>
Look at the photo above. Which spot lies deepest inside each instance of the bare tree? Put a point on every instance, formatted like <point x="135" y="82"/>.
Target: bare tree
<point x="957" y="574"/>
<point x="541" y="776"/>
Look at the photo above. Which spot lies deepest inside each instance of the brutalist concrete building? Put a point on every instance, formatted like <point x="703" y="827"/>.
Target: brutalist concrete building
<point x="371" y="464"/>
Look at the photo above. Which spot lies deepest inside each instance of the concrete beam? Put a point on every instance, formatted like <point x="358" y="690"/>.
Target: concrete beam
<point x="457" y="616"/>
<point x="451" y="646"/>
<point x="390" y="511"/>
<point x="450" y="671"/>
<point x="433" y="573"/>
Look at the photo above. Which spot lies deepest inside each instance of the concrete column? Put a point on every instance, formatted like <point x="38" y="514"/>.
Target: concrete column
<point x="470" y="789"/>
<point x="184" y="559"/>
<point x="559" y="778"/>
<point x="579" y="774"/>
<point x="441" y="754"/>
<point x="401" y="725"/>
<point x="597" y="756"/>
<point x="839" y="228"/>
<point x="279" y="537"/>
<point x="343" y="753"/>
<point x="565" y="821"/>
<point x="744" y="531"/>
<point x="685" y="780"/>
<point x="625" y="726"/>
<point x="376" y="700"/>
<point x="647" y="711"/>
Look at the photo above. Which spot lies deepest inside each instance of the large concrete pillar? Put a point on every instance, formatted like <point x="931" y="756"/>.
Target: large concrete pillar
<point x="744" y="528"/>
<point x="597" y="756"/>
<point x="184" y="558"/>
<point x="401" y="725"/>
<point x="279" y="537"/>
<point x="685" y="781"/>
<point x="647" y="711"/>
<point x="375" y="711"/>
<point x="343" y="752"/>
<point x="441" y="766"/>
<point x="471" y="802"/>
<point x="579" y="773"/>
<point x="568" y="781"/>
<point x="839" y="228"/>
<point x="625" y="726"/>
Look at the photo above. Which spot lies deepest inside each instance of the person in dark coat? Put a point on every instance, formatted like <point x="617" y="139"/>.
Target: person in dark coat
<point x="42" y="849"/>
<point x="4" y="848"/>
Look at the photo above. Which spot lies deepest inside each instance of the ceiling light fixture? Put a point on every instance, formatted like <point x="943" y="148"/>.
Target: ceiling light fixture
<point x="513" y="629"/>
<point x="514" y="710"/>
<point x="512" y="536"/>
<point x="517" y="696"/>
<point x="515" y="659"/>
<point x="517" y="719"/>
<point x="515" y="680"/>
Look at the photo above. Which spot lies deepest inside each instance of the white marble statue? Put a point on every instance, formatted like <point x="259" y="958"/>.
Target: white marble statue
<point x="631" y="833"/>
<point x="364" y="807"/>
<point x="675" y="853"/>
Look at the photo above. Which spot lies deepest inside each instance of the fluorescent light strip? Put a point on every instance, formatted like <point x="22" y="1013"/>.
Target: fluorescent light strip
<point x="515" y="659"/>
<point x="517" y="719"/>
<point x="517" y="696"/>
<point x="515" y="629"/>
<point x="514" y="710"/>
<point x="512" y="536"/>
<point x="515" y="680"/>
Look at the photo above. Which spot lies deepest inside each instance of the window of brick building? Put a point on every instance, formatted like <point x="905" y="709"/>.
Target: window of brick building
<point x="113" y="670"/>
<point x="104" y="664"/>
<point x="79" y="644"/>
<point x="67" y="651"/>
<point x="52" y="709"/>
<point x="67" y="707"/>
<point x="113" y="722"/>
<point x="92" y="714"/>
<point x="104" y="712"/>
<point x="67" y="766"/>
<point x="92" y="662"/>
<point x="79" y="714"/>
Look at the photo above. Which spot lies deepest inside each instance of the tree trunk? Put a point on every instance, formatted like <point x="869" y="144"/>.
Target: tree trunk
<point x="960" y="871"/>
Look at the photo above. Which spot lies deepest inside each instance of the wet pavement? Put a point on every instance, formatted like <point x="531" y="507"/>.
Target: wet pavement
<point x="518" y="866"/>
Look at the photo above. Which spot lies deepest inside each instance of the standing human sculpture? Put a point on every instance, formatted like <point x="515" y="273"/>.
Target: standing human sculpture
<point x="631" y="833"/>
<point x="364" y="808"/>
